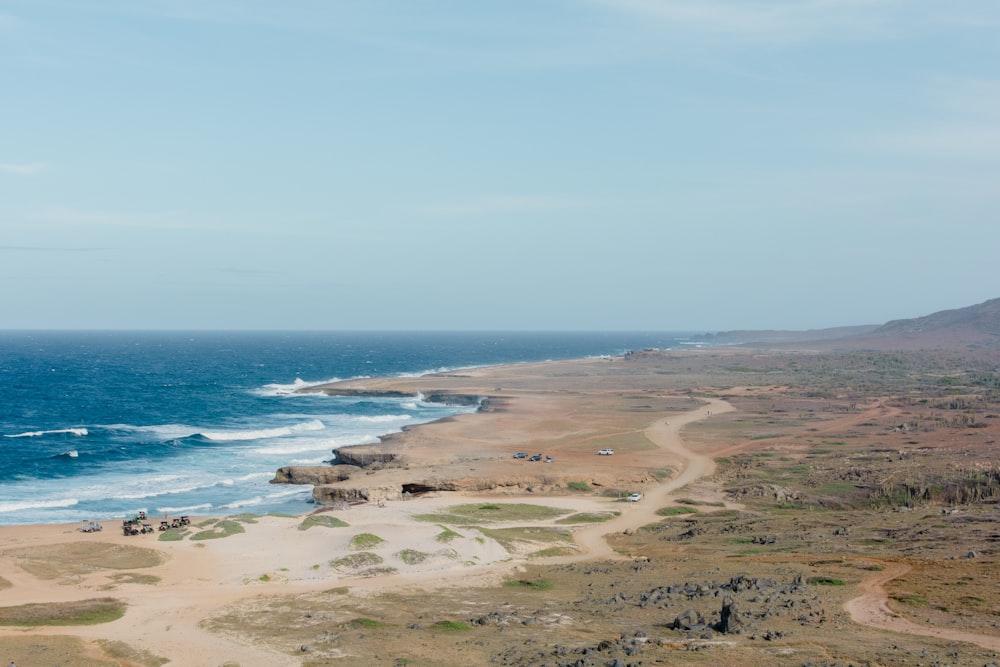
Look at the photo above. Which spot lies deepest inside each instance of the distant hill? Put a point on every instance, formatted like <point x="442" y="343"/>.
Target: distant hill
<point x="970" y="327"/>
<point x="741" y="337"/>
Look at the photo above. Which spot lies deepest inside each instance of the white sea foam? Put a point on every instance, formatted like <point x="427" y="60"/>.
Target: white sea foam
<point x="310" y="462"/>
<point x="290" y="389"/>
<point x="292" y="449"/>
<point x="181" y="510"/>
<point x="383" y="418"/>
<point x="264" y="433"/>
<point x="36" y="434"/>
<point x="288" y="493"/>
<point x="247" y="502"/>
<point x="72" y="454"/>
<point x="33" y="504"/>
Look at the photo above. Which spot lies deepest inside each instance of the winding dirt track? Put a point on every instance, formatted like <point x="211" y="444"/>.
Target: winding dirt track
<point x="872" y="608"/>
<point x="665" y="434"/>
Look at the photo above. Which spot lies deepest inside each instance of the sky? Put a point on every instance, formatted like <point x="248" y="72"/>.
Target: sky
<point x="521" y="165"/>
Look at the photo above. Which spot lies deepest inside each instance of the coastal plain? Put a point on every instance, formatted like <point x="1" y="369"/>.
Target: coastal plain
<point x="798" y="507"/>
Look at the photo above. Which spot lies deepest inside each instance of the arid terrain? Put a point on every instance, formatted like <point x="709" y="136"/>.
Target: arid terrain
<point x="798" y="508"/>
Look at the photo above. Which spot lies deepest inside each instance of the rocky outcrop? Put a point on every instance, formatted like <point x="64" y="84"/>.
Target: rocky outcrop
<point x="363" y="457"/>
<point x="312" y="474"/>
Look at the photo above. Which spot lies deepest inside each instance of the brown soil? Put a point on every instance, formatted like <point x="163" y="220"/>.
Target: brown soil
<point x="834" y="508"/>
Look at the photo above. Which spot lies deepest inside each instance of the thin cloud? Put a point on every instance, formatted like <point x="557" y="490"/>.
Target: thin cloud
<point x="966" y="124"/>
<point x="792" y="21"/>
<point x="25" y="248"/>
<point x="504" y="204"/>
<point x="30" y="169"/>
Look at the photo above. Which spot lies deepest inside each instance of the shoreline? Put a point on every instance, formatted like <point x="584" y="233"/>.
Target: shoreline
<point x="274" y="554"/>
<point x="425" y="551"/>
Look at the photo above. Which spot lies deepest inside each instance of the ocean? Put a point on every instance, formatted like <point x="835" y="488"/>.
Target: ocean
<point x="98" y="425"/>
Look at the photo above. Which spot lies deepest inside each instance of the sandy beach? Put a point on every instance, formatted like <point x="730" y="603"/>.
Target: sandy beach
<point x="194" y="578"/>
<point x="203" y="597"/>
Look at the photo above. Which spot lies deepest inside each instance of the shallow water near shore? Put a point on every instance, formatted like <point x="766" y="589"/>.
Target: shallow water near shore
<point x="105" y="424"/>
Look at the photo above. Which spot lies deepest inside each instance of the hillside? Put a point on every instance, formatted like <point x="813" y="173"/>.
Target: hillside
<point x="975" y="326"/>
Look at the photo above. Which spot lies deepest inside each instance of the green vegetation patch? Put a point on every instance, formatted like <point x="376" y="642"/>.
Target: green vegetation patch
<point x="324" y="520"/>
<point x="587" y="517"/>
<point x="530" y="584"/>
<point x="134" y="578"/>
<point x="223" y="528"/>
<point x="134" y="656"/>
<point x="83" y="612"/>
<point x="451" y="626"/>
<point x="825" y="581"/>
<point x="676" y="510"/>
<point x="364" y="541"/>
<point x="446" y="535"/>
<point x="578" y="486"/>
<point x="523" y="540"/>
<point x="412" y="556"/>
<point x="695" y="503"/>
<point x="365" y="623"/>
<point x="80" y="558"/>
<point x="911" y="599"/>
<point x="473" y="514"/>
<point x="356" y="561"/>
<point x="174" y="535"/>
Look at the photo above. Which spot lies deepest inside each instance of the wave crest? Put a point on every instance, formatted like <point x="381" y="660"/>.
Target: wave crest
<point x="35" y="434"/>
<point x="264" y="433"/>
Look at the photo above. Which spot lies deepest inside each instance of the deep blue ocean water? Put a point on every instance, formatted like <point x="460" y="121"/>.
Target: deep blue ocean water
<point x="97" y="425"/>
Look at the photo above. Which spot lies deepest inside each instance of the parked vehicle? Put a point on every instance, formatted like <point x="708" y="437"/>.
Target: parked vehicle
<point x="91" y="527"/>
<point x="605" y="452"/>
<point x="536" y="457"/>
<point x="549" y="459"/>
<point x="635" y="497"/>
<point x="521" y="455"/>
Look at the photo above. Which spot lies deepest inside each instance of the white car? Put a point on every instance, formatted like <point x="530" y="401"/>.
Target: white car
<point x="605" y="452"/>
<point x="635" y="497"/>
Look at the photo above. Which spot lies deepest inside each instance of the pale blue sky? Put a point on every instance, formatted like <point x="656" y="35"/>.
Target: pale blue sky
<point x="533" y="164"/>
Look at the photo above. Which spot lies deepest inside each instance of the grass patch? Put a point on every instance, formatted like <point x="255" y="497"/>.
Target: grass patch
<point x="81" y="558"/>
<point x="578" y="486"/>
<point x="553" y="552"/>
<point x="364" y="541"/>
<point x="245" y="517"/>
<point x="446" y="535"/>
<point x="825" y="581"/>
<point x="676" y="510"/>
<point x="365" y="623"/>
<point x="134" y="578"/>
<point x="223" y="528"/>
<point x="412" y="556"/>
<point x="587" y="517"/>
<point x="378" y="571"/>
<point x="83" y="612"/>
<point x="451" y="626"/>
<point x="911" y="599"/>
<point x="356" y="561"/>
<point x="131" y="655"/>
<point x="174" y="535"/>
<point x="699" y="503"/>
<point x="534" y="585"/>
<point x="324" y="520"/>
<point x="527" y="540"/>
<point x="472" y="514"/>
